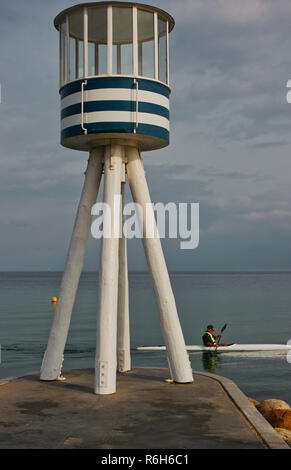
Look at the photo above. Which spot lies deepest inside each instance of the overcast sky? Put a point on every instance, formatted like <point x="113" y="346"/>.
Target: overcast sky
<point x="230" y="137"/>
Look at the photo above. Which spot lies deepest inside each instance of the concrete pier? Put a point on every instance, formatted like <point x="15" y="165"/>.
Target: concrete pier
<point x="146" y="413"/>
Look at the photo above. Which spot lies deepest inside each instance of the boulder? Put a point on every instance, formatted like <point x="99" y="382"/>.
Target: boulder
<point x="279" y="418"/>
<point x="285" y="434"/>
<point x="272" y="404"/>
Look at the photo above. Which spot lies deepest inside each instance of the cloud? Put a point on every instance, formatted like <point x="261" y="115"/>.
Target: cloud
<point x="230" y="135"/>
<point x="229" y="69"/>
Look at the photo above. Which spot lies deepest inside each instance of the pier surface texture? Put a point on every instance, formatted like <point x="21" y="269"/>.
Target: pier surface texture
<point x="145" y="413"/>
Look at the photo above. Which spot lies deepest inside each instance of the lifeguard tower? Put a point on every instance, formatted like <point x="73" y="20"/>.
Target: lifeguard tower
<point x="114" y="89"/>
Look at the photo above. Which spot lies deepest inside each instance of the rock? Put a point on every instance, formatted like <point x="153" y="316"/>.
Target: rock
<point x="285" y="434"/>
<point x="254" y="402"/>
<point x="272" y="404"/>
<point x="279" y="418"/>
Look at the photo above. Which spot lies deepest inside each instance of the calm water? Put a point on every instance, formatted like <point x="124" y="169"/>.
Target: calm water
<point x="256" y="307"/>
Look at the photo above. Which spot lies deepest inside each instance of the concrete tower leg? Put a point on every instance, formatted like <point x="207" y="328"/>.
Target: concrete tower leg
<point x="53" y="357"/>
<point x="178" y="359"/>
<point x="123" y="330"/>
<point x="106" y="341"/>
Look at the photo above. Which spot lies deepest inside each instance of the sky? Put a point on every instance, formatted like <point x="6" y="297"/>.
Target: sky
<point x="230" y="138"/>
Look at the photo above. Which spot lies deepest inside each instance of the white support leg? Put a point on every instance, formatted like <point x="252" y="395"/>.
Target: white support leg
<point x="53" y="357"/>
<point x="123" y="330"/>
<point x="106" y="341"/>
<point x="178" y="359"/>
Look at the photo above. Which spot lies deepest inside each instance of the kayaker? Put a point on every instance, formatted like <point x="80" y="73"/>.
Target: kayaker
<point x="208" y="337"/>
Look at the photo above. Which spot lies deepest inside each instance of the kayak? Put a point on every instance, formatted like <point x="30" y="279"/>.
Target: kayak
<point x="231" y="348"/>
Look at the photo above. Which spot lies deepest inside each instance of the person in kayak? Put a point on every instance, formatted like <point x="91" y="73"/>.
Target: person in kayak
<point x="208" y="337"/>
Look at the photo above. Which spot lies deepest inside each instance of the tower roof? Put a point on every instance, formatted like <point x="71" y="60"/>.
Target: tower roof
<point x="61" y="16"/>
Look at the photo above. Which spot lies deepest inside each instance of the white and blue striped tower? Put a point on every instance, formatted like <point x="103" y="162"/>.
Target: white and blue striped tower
<point x="114" y="77"/>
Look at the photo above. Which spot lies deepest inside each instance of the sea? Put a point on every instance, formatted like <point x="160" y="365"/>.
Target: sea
<point x="256" y="306"/>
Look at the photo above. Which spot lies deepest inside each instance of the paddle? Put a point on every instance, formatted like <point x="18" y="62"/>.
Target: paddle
<point x="222" y="330"/>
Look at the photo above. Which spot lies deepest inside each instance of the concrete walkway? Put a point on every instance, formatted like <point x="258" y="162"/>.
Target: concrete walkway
<point x="145" y="413"/>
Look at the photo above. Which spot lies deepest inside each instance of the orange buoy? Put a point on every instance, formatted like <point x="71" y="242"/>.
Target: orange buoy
<point x="54" y="300"/>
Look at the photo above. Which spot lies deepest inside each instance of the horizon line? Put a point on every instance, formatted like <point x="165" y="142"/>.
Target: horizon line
<point x="198" y="271"/>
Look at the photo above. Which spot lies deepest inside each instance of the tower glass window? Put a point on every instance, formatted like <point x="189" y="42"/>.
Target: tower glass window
<point x="64" y="53"/>
<point x="146" y="44"/>
<point x="76" y="45"/>
<point x="122" y="41"/>
<point x="162" y="48"/>
<point x="117" y="38"/>
<point x="97" y="41"/>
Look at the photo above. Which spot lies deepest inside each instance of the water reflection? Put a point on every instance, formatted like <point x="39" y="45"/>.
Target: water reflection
<point x="210" y="360"/>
